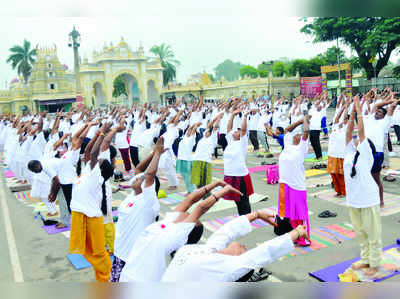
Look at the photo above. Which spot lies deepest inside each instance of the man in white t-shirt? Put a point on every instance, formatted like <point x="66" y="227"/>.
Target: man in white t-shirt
<point x="376" y="127"/>
<point x="222" y="261"/>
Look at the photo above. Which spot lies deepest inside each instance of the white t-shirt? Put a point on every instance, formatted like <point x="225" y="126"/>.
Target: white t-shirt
<point x="135" y="213"/>
<point x="146" y="138"/>
<point x="67" y="172"/>
<point x="396" y="116"/>
<point x="121" y="140"/>
<point x="361" y="190"/>
<point x="194" y="263"/>
<point x="291" y="163"/>
<point x="252" y="122"/>
<point x="205" y="148"/>
<point x="146" y="261"/>
<point x="87" y="192"/>
<point x="337" y="141"/>
<point x="316" y="117"/>
<point x="138" y="129"/>
<point x="186" y="148"/>
<point x="223" y="125"/>
<point x="375" y="129"/>
<point x="235" y="156"/>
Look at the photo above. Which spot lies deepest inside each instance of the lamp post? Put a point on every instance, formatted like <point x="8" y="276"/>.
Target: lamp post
<point x="75" y="42"/>
<point x="374" y="65"/>
<point x="339" y="88"/>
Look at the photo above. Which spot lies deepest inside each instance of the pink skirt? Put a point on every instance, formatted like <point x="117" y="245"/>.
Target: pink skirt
<point x="292" y="204"/>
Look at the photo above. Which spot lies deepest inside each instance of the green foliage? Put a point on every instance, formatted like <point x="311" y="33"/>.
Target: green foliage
<point x="306" y="68"/>
<point x="368" y="36"/>
<point x="396" y="71"/>
<point x="22" y="58"/>
<point x="211" y="76"/>
<point x="119" y="87"/>
<point x="331" y="54"/>
<point x="279" y="68"/>
<point x="262" y="73"/>
<point x="228" y="69"/>
<point x="248" y="70"/>
<point x="168" y="61"/>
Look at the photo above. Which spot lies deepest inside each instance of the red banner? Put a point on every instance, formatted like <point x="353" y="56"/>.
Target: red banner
<point x="310" y="86"/>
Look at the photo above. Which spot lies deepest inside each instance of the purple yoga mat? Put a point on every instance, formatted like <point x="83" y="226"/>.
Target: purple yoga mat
<point x="51" y="229"/>
<point x="330" y="274"/>
<point x="115" y="213"/>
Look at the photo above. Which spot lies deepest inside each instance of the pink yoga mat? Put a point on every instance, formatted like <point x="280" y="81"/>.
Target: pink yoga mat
<point x="9" y="174"/>
<point x="258" y="168"/>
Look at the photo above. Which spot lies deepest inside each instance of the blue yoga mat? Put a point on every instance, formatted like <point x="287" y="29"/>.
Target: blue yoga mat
<point x="330" y="274"/>
<point x="79" y="262"/>
<point x="312" y="155"/>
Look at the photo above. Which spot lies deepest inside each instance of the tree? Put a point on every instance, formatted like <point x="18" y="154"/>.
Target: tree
<point x="168" y="61"/>
<point x="228" y="69"/>
<point x="119" y="87"/>
<point x="368" y="36"/>
<point x="248" y="70"/>
<point x="211" y="76"/>
<point x="23" y="59"/>
<point x="331" y="56"/>
<point x="396" y="71"/>
<point x="279" y="68"/>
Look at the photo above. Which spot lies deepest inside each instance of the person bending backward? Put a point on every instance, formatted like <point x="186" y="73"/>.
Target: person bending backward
<point x="221" y="259"/>
<point x="139" y="209"/>
<point x="375" y="128"/>
<point x="235" y="170"/>
<point x="88" y="205"/>
<point x="146" y="261"/>
<point x="292" y="201"/>
<point x="363" y="194"/>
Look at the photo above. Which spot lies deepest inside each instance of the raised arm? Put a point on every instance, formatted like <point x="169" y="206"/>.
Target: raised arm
<point x="294" y="125"/>
<point x="350" y="126"/>
<point x="89" y="147"/>
<point x="96" y="147"/>
<point x="360" y="122"/>
<point x="153" y="167"/>
<point x="244" y="124"/>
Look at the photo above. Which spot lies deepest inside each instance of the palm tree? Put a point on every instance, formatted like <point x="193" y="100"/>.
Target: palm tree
<point x="168" y="61"/>
<point x="22" y="58"/>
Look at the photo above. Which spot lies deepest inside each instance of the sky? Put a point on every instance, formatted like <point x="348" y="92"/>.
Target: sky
<point x="202" y="34"/>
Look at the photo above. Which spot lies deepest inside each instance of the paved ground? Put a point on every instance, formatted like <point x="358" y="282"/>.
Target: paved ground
<point x="42" y="257"/>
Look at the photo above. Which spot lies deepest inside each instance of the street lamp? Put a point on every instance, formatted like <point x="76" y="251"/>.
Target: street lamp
<point x="75" y="42"/>
<point x="374" y="65"/>
<point x="269" y="65"/>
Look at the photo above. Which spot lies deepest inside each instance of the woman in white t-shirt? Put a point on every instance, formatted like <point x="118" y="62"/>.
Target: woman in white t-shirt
<point x="88" y="206"/>
<point x="363" y="194"/>
<point x="292" y="201"/>
<point x="236" y="173"/>
<point x="121" y="142"/>
<point x="184" y="163"/>
<point x="201" y="165"/>
<point x="336" y="148"/>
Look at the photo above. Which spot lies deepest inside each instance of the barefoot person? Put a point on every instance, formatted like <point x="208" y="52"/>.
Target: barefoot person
<point x="292" y="201"/>
<point x="363" y="194"/>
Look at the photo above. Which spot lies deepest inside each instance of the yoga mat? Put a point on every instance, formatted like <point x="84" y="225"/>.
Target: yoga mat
<point x="79" y="262"/>
<point x="218" y="161"/>
<point x="258" y="168"/>
<point x="312" y="155"/>
<point x="173" y="198"/>
<point x="391" y="255"/>
<point x="322" y="237"/>
<point x="313" y="172"/>
<point x="51" y="229"/>
<point x="218" y="169"/>
<point x="392" y="201"/>
<point x="228" y="204"/>
<point x="214" y="225"/>
<point x="313" y="160"/>
<point x="9" y="174"/>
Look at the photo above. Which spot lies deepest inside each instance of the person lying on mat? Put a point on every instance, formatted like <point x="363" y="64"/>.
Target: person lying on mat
<point x="146" y="261"/>
<point x="220" y="259"/>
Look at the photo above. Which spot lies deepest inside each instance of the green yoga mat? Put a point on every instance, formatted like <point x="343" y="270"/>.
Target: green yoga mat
<point x="313" y="160"/>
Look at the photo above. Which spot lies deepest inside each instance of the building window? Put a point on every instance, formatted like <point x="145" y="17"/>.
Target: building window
<point x="51" y="74"/>
<point x="52" y="86"/>
<point x="49" y="65"/>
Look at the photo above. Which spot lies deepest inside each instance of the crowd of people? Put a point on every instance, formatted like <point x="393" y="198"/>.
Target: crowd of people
<point x="71" y="157"/>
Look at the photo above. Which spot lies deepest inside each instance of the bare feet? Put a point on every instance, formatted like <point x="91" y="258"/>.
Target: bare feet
<point x="371" y="271"/>
<point x="359" y="266"/>
<point x="60" y="225"/>
<point x="172" y="187"/>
